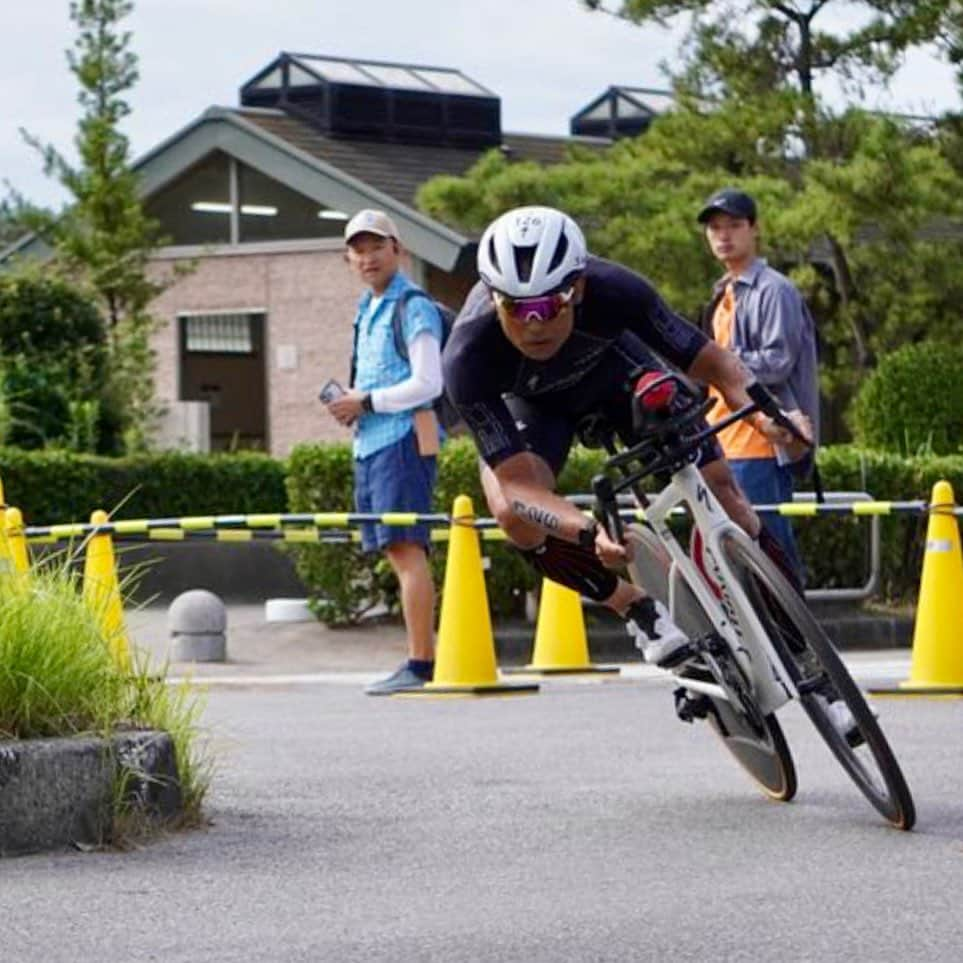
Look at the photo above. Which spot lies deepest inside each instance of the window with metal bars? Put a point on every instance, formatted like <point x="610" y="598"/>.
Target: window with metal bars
<point x="221" y="333"/>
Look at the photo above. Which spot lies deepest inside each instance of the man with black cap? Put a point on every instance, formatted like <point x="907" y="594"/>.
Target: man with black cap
<point x="759" y="315"/>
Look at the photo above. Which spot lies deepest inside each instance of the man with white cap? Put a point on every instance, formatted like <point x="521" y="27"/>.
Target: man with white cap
<point x="396" y="436"/>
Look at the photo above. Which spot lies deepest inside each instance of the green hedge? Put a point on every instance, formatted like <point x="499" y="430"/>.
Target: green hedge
<point x="55" y="486"/>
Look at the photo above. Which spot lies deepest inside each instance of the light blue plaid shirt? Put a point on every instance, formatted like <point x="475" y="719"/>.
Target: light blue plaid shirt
<point x="378" y="363"/>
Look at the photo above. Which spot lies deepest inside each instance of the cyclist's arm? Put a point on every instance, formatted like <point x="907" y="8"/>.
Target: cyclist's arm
<point x="717" y="366"/>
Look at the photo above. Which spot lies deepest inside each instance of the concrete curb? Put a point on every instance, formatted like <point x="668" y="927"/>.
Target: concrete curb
<point x="56" y="793"/>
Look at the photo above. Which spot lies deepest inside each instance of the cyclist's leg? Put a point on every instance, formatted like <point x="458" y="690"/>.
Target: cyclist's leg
<point x="765" y="482"/>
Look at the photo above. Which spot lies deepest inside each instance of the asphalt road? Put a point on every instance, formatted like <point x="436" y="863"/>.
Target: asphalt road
<point x="582" y="823"/>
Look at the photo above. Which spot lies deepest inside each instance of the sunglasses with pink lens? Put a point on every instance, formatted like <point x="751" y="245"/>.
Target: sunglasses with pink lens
<point x="544" y="308"/>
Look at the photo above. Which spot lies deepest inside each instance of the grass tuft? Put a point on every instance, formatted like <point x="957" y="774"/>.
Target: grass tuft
<point x="58" y="677"/>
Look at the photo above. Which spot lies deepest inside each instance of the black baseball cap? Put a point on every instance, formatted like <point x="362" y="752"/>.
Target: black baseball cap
<point x="729" y="201"/>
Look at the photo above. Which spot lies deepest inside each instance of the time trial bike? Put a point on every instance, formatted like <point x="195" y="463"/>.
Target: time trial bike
<point x="754" y="644"/>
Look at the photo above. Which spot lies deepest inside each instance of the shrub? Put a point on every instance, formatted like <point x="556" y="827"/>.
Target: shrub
<point x="53" y="358"/>
<point x="913" y="402"/>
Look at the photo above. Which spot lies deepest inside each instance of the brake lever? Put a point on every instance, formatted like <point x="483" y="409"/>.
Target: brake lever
<point x="769" y="406"/>
<point x="607" y="508"/>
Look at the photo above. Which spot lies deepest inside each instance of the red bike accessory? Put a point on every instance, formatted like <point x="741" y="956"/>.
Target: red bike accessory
<point x="655" y="391"/>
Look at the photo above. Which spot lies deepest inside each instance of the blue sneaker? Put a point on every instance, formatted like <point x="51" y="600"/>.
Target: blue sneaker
<point x="402" y="679"/>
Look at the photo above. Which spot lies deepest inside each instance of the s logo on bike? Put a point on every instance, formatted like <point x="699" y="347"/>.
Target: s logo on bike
<point x="702" y="495"/>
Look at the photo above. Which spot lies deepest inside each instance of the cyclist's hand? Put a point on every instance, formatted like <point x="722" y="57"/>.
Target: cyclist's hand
<point x="782" y="436"/>
<point x="611" y="554"/>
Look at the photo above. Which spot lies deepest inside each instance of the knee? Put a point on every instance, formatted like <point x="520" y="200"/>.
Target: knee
<point x="733" y="500"/>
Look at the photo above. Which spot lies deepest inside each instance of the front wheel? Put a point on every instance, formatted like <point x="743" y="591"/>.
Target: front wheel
<point x="818" y="673"/>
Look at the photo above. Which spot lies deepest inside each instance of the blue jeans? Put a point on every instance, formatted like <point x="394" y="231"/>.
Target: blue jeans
<point x="394" y="479"/>
<point x="766" y="482"/>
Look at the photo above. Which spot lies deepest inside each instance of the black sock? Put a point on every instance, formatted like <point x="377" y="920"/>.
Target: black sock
<point x="423" y="668"/>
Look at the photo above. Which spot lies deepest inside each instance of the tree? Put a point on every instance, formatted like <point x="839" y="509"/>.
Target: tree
<point x="12" y="227"/>
<point x="750" y="46"/>
<point x="104" y="237"/>
<point x="850" y="228"/>
<point x="52" y="362"/>
<point x="849" y="199"/>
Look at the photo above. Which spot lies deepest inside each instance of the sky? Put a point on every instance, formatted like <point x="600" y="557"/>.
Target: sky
<point x="545" y="59"/>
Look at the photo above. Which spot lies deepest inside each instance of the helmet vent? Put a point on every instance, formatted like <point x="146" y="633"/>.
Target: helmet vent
<point x="560" y="251"/>
<point x="524" y="259"/>
<point x="493" y="254"/>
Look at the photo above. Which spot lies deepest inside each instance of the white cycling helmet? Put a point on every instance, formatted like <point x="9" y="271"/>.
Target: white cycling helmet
<point x="530" y="251"/>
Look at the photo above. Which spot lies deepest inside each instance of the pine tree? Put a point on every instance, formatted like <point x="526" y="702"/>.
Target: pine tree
<point x="103" y="237"/>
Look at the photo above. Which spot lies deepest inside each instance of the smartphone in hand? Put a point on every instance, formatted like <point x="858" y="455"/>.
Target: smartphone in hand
<point x="331" y="391"/>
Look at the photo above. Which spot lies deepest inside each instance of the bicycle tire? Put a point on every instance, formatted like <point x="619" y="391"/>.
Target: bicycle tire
<point x="812" y="661"/>
<point x="761" y="750"/>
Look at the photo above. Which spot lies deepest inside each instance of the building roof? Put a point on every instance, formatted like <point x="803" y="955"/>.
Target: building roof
<point x="311" y="68"/>
<point x="344" y="173"/>
<point x="400" y="169"/>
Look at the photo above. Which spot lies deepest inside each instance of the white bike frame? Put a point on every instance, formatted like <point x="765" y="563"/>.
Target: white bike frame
<point x="732" y="616"/>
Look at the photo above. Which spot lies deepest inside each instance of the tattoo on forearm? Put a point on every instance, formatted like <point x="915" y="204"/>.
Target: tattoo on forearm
<point x="540" y="516"/>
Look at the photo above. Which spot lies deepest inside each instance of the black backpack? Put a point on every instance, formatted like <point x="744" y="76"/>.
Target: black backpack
<point x="445" y="411"/>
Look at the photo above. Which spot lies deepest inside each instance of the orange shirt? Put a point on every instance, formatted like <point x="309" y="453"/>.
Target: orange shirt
<point x="739" y="440"/>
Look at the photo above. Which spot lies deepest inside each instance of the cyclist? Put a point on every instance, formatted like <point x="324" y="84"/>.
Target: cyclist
<point x="548" y="335"/>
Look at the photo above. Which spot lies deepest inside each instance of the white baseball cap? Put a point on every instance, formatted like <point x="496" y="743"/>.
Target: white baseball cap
<point x="370" y="222"/>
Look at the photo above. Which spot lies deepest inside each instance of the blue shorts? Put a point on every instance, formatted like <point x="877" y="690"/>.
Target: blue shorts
<point x="394" y="479"/>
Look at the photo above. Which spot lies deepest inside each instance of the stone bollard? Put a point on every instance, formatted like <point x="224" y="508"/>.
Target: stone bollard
<point x="198" y="625"/>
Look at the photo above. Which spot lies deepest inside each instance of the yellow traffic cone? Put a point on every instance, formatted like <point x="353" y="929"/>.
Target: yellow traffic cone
<point x="465" y="656"/>
<point x="937" y="665"/>
<point x="561" y="645"/>
<point x="7" y="563"/>
<point x="16" y="542"/>
<point x="102" y="592"/>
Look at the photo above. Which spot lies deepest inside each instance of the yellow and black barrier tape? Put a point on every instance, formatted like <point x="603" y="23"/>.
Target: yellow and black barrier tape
<point x="303" y="536"/>
<point x="315" y="527"/>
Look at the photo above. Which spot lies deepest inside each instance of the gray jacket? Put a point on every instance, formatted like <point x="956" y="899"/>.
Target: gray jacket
<point x="775" y="337"/>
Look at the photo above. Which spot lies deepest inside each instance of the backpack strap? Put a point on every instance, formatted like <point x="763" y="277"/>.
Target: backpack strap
<point x="398" y="319"/>
<point x="354" y="356"/>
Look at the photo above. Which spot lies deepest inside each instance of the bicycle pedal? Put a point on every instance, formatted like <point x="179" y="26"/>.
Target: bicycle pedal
<point x="812" y="685"/>
<point x="680" y="655"/>
<point x="689" y="707"/>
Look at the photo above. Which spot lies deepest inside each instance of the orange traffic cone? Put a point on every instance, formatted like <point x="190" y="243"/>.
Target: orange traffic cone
<point x="937" y="666"/>
<point x="102" y="592"/>
<point x="465" y="657"/>
<point x="561" y="646"/>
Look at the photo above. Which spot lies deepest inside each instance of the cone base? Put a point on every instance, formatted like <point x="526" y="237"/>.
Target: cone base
<point x="918" y="689"/>
<point x="472" y="689"/>
<point x="589" y="669"/>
